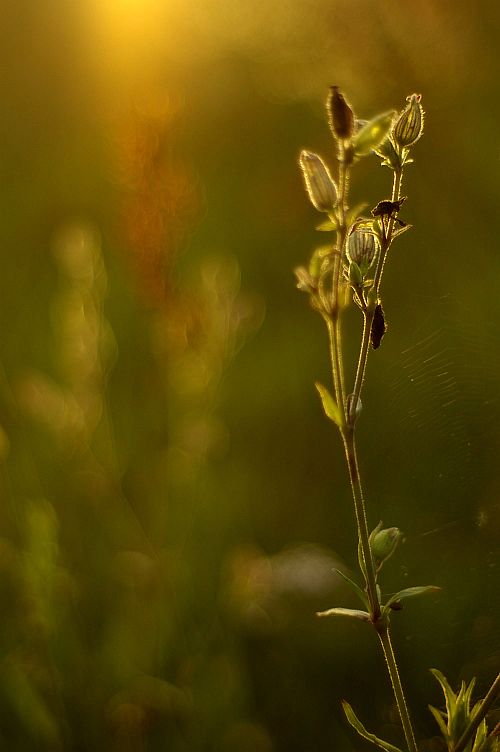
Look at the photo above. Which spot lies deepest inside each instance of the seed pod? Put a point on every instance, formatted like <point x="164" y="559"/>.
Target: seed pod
<point x="319" y="183"/>
<point x="379" y="327"/>
<point x="340" y="115"/>
<point x="410" y="124"/>
<point x="361" y="248"/>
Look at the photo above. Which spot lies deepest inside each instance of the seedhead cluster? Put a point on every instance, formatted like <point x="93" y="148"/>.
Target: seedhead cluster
<point x="356" y="258"/>
<point x="350" y="268"/>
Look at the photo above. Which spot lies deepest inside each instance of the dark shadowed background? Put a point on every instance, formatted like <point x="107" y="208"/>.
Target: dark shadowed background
<point x="173" y="501"/>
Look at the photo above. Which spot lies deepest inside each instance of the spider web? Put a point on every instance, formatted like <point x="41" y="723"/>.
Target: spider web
<point x="443" y="402"/>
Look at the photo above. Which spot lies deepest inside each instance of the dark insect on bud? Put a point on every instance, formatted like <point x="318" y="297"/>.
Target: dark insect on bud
<point x="388" y="208"/>
<point x="379" y="327"/>
<point x="340" y="115"/>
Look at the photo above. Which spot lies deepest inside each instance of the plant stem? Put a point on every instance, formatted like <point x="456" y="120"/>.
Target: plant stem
<point x="362" y="522"/>
<point x="390" y="658"/>
<point x="478" y="716"/>
<point x="387" y="239"/>
<point x="361" y="368"/>
<point x="347" y="427"/>
<point x="369" y="313"/>
<point x="336" y="361"/>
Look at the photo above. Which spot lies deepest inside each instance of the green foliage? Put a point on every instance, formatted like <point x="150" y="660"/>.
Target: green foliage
<point x="410" y="592"/>
<point x="356" y="724"/>
<point x="329" y="405"/>
<point x="463" y="725"/>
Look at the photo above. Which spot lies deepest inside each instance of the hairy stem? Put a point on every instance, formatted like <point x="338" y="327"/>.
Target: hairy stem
<point x="390" y="659"/>
<point x="387" y="239"/>
<point x="347" y="426"/>
<point x="362" y="522"/>
<point x="334" y="342"/>
<point x="362" y="360"/>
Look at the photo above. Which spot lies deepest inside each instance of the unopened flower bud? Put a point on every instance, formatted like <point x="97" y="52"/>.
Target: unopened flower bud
<point x="383" y="543"/>
<point x="319" y="183"/>
<point x="361" y="248"/>
<point x="410" y="123"/>
<point x="340" y="115"/>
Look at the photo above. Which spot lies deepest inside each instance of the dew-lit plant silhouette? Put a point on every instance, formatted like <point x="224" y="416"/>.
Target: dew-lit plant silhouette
<point x="350" y="268"/>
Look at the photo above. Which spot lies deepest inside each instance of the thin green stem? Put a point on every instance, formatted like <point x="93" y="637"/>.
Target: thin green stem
<point x="390" y="659"/>
<point x="478" y="716"/>
<point x="347" y="427"/>
<point x="387" y="239"/>
<point x="369" y="313"/>
<point x="336" y="361"/>
<point x="362" y="522"/>
<point x="362" y="360"/>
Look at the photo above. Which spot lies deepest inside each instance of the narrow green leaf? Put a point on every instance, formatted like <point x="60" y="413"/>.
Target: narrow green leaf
<point x="329" y="405"/>
<point x="361" y="560"/>
<point x="355" y="275"/>
<point x="411" y="592"/>
<point x="480" y="740"/>
<point x="373" y="133"/>
<point x="356" y="724"/>
<point x="449" y="694"/>
<point x="359" y="592"/>
<point x="352" y="613"/>
<point x="327" y="226"/>
<point x="467" y="695"/>
<point x="438" y="715"/>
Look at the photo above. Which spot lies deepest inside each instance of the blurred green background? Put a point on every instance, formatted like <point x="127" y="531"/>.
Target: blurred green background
<point x="173" y="501"/>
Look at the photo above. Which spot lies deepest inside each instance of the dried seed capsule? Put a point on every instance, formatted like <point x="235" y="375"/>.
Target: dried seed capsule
<point x="410" y="123"/>
<point x="319" y="183"/>
<point x="340" y="115"/>
<point x="361" y="248"/>
<point x="379" y="327"/>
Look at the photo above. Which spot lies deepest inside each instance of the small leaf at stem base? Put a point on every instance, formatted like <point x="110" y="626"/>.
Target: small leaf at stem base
<point x="329" y="405"/>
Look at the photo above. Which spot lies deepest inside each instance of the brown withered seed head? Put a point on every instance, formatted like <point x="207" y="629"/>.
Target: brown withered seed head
<point x="340" y="115"/>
